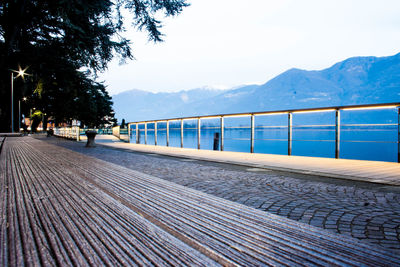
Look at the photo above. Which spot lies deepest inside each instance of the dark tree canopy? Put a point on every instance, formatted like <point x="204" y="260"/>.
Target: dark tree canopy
<point x="64" y="43"/>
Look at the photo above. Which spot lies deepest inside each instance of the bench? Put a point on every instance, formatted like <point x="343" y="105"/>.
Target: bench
<point x="62" y="207"/>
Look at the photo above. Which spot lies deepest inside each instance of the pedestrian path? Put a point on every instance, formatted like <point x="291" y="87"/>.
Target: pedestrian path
<point x="359" y="170"/>
<point x="10" y="134"/>
<point x="63" y="208"/>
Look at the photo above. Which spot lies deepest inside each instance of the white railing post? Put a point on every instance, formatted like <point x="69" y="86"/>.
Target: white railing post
<point x="129" y="132"/>
<point x="337" y="134"/>
<point x="222" y="132"/>
<point x="78" y="134"/>
<point x="252" y="134"/>
<point x="145" y="133"/>
<point x="137" y="133"/>
<point x="181" y="133"/>
<point x="167" y="133"/>
<point x="155" y="133"/>
<point x="290" y="133"/>
<point x="198" y="133"/>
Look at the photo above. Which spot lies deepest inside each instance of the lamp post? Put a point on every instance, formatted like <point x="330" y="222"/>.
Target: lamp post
<point x="19" y="112"/>
<point x="21" y="73"/>
<point x="19" y="115"/>
<point x="12" y="102"/>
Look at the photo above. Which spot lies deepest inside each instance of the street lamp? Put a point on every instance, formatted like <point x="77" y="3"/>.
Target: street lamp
<point x="21" y="73"/>
<point x="19" y="112"/>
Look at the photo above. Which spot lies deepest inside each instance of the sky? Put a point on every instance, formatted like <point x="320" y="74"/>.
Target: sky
<point x="227" y="43"/>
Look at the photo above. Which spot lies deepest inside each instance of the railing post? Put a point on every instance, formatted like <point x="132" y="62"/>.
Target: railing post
<point x="252" y="134"/>
<point x="145" y="133"/>
<point x="155" y="133"/>
<point x="181" y="133"/>
<point x="198" y="133"/>
<point x="137" y="133"/>
<point x="222" y="132"/>
<point x="398" y="134"/>
<point x="129" y="132"/>
<point x="290" y="133"/>
<point x="167" y="133"/>
<point x="337" y="134"/>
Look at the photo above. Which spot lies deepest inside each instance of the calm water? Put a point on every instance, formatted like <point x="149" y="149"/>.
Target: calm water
<point x="368" y="135"/>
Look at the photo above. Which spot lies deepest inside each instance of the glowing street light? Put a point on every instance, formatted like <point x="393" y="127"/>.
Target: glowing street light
<point x="19" y="111"/>
<point x="20" y="73"/>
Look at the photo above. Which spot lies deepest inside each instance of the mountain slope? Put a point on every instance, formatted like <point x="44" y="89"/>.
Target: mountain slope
<point x="358" y="80"/>
<point x="134" y="105"/>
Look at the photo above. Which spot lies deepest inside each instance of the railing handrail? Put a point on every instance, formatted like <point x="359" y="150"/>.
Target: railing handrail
<point x="283" y="111"/>
<point x="338" y="126"/>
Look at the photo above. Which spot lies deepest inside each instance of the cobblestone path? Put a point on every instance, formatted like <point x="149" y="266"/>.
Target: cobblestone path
<point x="365" y="211"/>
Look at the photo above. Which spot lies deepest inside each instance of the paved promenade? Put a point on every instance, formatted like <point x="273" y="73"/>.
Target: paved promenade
<point x="358" y="170"/>
<point x="366" y="211"/>
<point x="63" y="208"/>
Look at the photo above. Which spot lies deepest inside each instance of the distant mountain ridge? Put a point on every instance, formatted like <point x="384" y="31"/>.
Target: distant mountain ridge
<point x="357" y="80"/>
<point x="136" y="104"/>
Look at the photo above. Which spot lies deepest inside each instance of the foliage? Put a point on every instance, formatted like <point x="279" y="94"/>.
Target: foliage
<point x="123" y="124"/>
<point x="36" y="118"/>
<point x="65" y="43"/>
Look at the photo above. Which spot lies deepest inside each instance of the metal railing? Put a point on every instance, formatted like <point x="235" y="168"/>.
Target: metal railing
<point x="335" y="131"/>
<point x="115" y="131"/>
<point x="72" y="132"/>
<point x="121" y="133"/>
<point x="107" y="131"/>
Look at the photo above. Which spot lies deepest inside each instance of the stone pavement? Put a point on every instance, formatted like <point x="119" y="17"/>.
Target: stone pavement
<point x="366" y="211"/>
<point x="358" y="170"/>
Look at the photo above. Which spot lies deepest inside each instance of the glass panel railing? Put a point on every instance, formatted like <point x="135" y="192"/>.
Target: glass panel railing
<point x="368" y="132"/>
<point x="208" y="129"/>
<point x="190" y="134"/>
<point x="162" y="133"/>
<point x="132" y="129"/>
<point x="175" y="133"/>
<point x="237" y="133"/>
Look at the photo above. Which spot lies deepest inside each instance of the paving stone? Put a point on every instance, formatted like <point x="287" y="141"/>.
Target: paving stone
<point x="359" y="236"/>
<point x="330" y="226"/>
<point x="358" y="209"/>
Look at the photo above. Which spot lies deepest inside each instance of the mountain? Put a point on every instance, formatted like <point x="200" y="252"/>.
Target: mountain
<point x="134" y="105"/>
<point x="357" y="80"/>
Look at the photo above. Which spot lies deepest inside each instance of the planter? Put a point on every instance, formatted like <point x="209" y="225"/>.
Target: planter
<point x="91" y="135"/>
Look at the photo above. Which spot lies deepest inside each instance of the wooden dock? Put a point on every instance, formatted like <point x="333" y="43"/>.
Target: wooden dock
<point x="60" y="207"/>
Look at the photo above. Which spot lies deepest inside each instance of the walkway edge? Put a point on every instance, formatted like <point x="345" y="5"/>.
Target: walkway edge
<point x="387" y="173"/>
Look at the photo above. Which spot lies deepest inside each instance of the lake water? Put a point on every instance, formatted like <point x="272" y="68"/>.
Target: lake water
<point x="366" y="134"/>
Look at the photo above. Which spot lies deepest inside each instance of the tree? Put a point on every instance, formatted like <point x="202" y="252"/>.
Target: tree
<point x="66" y="43"/>
<point x="123" y="123"/>
<point x="36" y="119"/>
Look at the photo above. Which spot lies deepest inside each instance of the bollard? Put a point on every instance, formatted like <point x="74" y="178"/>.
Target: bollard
<point x="216" y="141"/>
<point x="50" y="132"/>
<point x="90" y="138"/>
